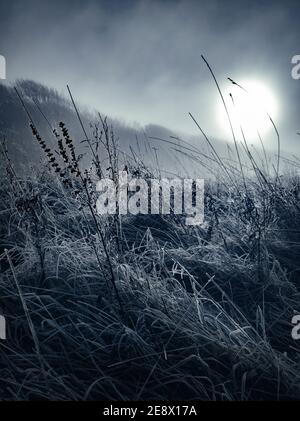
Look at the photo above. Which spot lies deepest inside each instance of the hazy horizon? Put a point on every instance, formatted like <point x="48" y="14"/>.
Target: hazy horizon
<point x="140" y="61"/>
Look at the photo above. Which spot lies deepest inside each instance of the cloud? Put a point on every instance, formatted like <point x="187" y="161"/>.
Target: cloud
<point x="141" y="60"/>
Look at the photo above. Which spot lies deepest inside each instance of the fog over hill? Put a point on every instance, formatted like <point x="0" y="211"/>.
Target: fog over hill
<point x="158" y="147"/>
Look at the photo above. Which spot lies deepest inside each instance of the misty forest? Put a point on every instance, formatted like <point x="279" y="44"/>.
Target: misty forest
<point x="142" y="306"/>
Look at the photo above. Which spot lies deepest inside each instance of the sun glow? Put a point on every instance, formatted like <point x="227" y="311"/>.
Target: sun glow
<point x="249" y="105"/>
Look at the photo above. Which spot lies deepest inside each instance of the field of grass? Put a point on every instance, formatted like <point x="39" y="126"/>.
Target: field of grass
<point x="144" y="307"/>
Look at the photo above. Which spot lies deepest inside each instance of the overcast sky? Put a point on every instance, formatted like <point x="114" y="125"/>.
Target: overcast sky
<point x="140" y="60"/>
